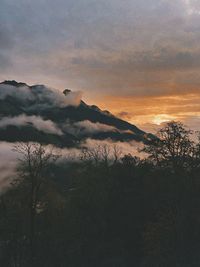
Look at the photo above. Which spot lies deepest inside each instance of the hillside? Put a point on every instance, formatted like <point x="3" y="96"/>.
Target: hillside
<point x="41" y="114"/>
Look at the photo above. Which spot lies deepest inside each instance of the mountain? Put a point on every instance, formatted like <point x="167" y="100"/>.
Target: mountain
<point x="39" y="113"/>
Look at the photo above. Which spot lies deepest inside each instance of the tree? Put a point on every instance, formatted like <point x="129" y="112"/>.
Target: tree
<point x="101" y="154"/>
<point x="173" y="147"/>
<point x="33" y="164"/>
<point x="196" y="155"/>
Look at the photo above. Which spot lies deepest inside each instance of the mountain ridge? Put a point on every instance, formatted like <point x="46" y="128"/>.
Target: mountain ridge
<point x="49" y="110"/>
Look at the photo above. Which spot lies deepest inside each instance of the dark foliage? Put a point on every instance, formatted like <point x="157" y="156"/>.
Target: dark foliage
<point x="128" y="212"/>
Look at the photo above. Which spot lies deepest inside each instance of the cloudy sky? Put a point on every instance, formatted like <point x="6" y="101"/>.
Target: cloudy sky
<point x="140" y="59"/>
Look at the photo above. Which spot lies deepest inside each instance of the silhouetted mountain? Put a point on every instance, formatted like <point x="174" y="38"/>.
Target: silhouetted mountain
<point x="38" y="113"/>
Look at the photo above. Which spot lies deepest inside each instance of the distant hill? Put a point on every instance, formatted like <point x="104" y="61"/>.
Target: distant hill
<point x="41" y="114"/>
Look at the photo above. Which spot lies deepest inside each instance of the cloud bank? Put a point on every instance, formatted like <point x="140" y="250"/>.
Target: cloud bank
<point x="9" y="158"/>
<point x="40" y="95"/>
<point x="38" y="122"/>
<point x="8" y="164"/>
<point x="87" y="127"/>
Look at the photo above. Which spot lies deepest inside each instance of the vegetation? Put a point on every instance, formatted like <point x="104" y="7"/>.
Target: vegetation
<point x="105" y="209"/>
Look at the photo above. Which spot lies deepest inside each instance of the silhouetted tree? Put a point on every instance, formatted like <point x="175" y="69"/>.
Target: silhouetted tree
<point x="173" y="147"/>
<point x="33" y="162"/>
<point x="105" y="209"/>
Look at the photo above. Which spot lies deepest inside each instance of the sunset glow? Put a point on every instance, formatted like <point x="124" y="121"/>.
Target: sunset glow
<point x="161" y="118"/>
<point x="150" y="112"/>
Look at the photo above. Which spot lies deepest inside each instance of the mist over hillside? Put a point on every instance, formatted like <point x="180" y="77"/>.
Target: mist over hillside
<point x="45" y="115"/>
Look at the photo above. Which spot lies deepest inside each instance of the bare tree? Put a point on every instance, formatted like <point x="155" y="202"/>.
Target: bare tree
<point x="101" y="154"/>
<point x="117" y="153"/>
<point x="91" y="155"/>
<point x="33" y="162"/>
<point x="105" y="154"/>
<point x="196" y="154"/>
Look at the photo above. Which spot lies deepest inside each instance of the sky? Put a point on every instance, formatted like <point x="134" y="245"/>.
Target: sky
<point x="139" y="59"/>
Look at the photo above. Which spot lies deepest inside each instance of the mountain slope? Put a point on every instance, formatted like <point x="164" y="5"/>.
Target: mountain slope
<point x="38" y="113"/>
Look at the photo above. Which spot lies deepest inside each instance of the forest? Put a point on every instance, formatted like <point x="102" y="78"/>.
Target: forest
<point x="105" y="209"/>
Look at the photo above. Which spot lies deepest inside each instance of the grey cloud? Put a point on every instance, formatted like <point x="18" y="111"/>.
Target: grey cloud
<point x="46" y="126"/>
<point x="40" y="95"/>
<point x="100" y="44"/>
<point x="90" y="127"/>
<point x="8" y="164"/>
<point x="98" y="146"/>
<point x="6" y="40"/>
<point x="158" y="59"/>
<point x="131" y="147"/>
<point x="54" y="97"/>
<point x="6" y="44"/>
<point x="9" y="158"/>
<point x="87" y="127"/>
<point x="85" y="24"/>
<point x="5" y="61"/>
<point x="21" y="92"/>
<point x="162" y="60"/>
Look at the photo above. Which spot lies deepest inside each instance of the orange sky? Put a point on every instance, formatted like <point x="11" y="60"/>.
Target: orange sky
<point x="150" y="112"/>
